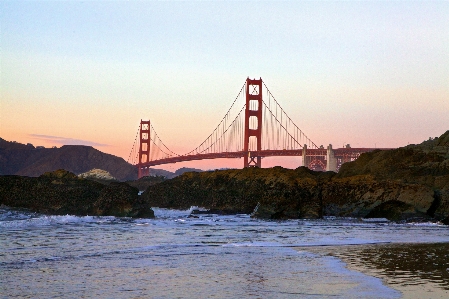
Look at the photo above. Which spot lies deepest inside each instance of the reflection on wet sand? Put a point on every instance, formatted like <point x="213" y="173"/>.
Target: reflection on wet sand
<point x="417" y="270"/>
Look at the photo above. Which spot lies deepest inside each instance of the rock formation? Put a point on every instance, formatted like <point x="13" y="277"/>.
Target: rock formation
<point x="143" y="183"/>
<point x="400" y="184"/>
<point x="62" y="192"/>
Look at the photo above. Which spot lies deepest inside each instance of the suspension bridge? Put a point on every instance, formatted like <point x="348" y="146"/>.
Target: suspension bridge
<point x="261" y="128"/>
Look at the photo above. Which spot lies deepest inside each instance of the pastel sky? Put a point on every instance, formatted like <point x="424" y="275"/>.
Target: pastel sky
<point x="368" y="73"/>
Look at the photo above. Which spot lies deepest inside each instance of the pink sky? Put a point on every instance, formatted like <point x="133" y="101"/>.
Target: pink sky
<point x="371" y="74"/>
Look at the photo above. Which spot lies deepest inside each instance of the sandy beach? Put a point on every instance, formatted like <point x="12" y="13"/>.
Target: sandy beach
<point x="416" y="270"/>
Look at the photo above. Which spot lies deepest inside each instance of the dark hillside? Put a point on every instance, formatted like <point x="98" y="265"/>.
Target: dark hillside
<point x="26" y="160"/>
<point x="424" y="163"/>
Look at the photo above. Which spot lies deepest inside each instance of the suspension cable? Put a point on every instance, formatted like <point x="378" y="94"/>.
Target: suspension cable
<point x="134" y="144"/>
<point x="274" y="99"/>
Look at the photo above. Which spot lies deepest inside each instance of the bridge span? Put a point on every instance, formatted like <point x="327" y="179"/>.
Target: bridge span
<point x="260" y="129"/>
<point x="316" y="159"/>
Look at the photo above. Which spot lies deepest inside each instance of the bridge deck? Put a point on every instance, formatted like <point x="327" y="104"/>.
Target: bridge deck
<point x="339" y="152"/>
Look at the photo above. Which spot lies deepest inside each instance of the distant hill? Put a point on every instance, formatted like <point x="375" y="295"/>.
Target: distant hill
<point x="27" y="160"/>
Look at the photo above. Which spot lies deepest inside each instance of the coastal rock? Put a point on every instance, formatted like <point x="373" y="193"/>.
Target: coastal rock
<point x="144" y="182"/>
<point x="60" y="174"/>
<point x="287" y="194"/>
<point x="392" y="210"/>
<point x="62" y="192"/>
<point x="122" y="200"/>
<point x="445" y="221"/>
<point x="398" y="184"/>
<point x="52" y="193"/>
<point x="358" y="196"/>
<point x="239" y="191"/>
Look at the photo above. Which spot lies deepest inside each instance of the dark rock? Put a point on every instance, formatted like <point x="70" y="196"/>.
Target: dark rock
<point x="393" y="210"/>
<point x="409" y="182"/>
<point x="445" y="221"/>
<point x="183" y="170"/>
<point x="121" y="200"/>
<point x="62" y="192"/>
<point x="443" y="140"/>
<point x="143" y="183"/>
<point x="59" y="174"/>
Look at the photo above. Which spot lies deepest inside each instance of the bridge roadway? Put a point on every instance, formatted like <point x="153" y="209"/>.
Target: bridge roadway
<point x="349" y="153"/>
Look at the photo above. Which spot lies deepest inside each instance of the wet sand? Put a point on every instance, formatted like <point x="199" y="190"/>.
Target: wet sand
<point x="416" y="270"/>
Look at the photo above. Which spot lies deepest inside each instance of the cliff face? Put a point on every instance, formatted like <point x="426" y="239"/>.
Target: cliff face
<point x="26" y="160"/>
<point x="399" y="184"/>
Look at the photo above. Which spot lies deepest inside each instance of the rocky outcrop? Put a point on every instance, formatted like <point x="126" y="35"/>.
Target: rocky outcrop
<point x="143" y="183"/>
<point x="400" y="184"/>
<point x="122" y="200"/>
<point x="416" y="174"/>
<point x="233" y="190"/>
<point x="62" y="192"/>
<point x="300" y="193"/>
<point x="363" y="196"/>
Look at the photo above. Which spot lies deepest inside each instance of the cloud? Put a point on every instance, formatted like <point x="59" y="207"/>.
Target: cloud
<point x="65" y="140"/>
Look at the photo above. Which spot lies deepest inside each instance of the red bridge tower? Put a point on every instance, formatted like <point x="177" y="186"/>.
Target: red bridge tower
<point x="144" y="150"/>
<point x="253" y="122"/>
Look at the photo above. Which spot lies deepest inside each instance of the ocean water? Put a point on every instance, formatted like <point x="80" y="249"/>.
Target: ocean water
<point x="175" y="256"/>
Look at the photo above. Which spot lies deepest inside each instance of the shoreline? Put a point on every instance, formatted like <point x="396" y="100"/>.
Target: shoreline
<point x="417" y="270"/>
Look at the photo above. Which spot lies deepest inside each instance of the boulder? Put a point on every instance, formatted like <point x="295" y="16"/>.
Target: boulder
<point x="121" y="200"/>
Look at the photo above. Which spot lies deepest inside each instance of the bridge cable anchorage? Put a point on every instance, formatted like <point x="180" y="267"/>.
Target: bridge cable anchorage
<point x="313" y="145"/>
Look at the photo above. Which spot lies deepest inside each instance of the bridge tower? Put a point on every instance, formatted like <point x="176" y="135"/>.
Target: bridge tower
<point x="253" y="122"/>
<point x="144" y="149"/>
